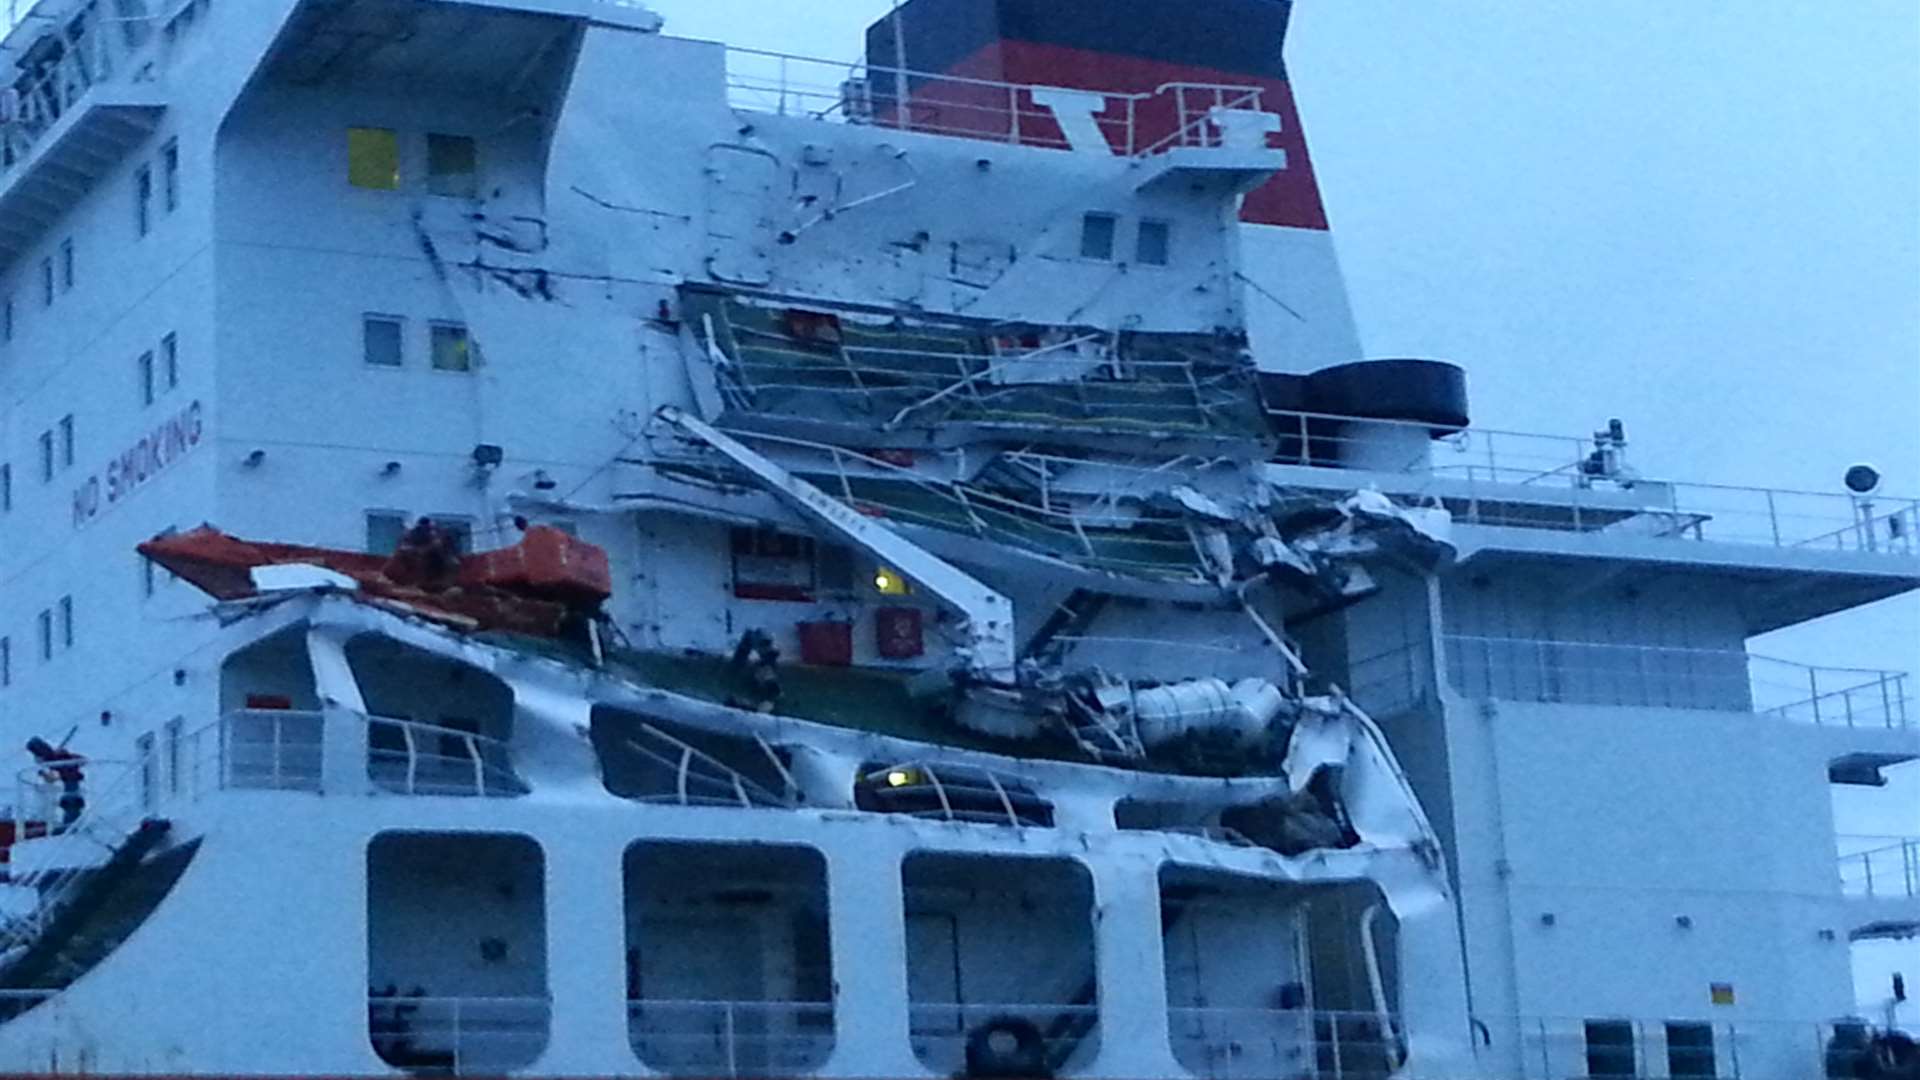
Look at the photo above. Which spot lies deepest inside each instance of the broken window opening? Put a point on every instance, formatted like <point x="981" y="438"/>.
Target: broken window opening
<point x="453" y="166"/>
<point x="373" y="158"/>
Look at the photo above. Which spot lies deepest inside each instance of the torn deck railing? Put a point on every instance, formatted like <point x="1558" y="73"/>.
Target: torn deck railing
<point x="1181" y="114"/>
<point x="1657" y="676"/>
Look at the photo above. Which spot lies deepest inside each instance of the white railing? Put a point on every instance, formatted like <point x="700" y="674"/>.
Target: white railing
<point x="1134" y="124"/>
<point x="1554" y="1048"/>
<point x="1880" y="867"/>
<point x="282" y="750"/>
<point x="53" y="857"/>
<point x="731" y="1038"/>
<point x="464" y="1036"/>
<point x="939" y="1031"/>
<point x="1520" y="480"/>
<point x="1651" y="676"/>
<point x="435" y="760"/>
<point x="270" y="749"/>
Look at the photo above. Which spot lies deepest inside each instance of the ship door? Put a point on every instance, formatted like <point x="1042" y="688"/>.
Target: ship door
<point x="740" y="200"/>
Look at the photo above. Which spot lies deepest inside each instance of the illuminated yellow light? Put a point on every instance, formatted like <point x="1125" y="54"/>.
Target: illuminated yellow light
<point x="899" y="778"/>
<point x="890" y="583"/>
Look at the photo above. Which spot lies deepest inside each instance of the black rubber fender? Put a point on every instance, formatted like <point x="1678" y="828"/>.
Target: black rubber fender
<point x="1007" y="1047"/>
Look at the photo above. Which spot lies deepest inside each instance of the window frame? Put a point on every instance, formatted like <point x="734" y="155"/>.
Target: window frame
<point x="143" y="201"/>
<point x="452" y="185"/>
<point x="370" y="173"/>
<point x="176" y="734"/>
<point x="1165" y="243"/>
<point x="44" y="624"/>
<point x="399" y="516"/>
<point x="170" y="175"/>
<point x="66" y="622"/>
<point x="399" y="324"/>
<point x="1112" y="245"/>
<point x="144" y="366"/>
<point x="170" y="359"/>
<point x="67" y="450"/>
<point x="46" y="456"/>
<point x="435" y="327"/>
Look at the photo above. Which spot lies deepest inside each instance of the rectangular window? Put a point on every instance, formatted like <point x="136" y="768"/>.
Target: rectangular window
<point x="1610" y="1048"/>
<point x="46" y="282"/>
<point x="1155" y="243"/>
<point x="143" y="752"/>
<point x="176" y="738"/>
<point x="170" y="175"/>
<point x="1690" y="1052"/>
<point x="453" y="166"/>
<point x="66" y="265"/>
<point x="6" y="661"/>
<point x="170" y="359"/>
<point x="383" y="340"/>
<point x="46" y="633"/>
<point x="6" y="488"/>
<point x="46" y="457"/>
<point x="452" y="349"/>
<point x="384" y="530"/>
<point x="66" y="441"/>
<point x="143" y="200"/>
<point x="6" y="319"/>
<point x="373" y="158"/>
<point x="457" y="529"/>
<point x="66" y="622"/>
<point x="1096" y="236"/>
<point x="145" y="375"/>
<point x="770" y="565"/>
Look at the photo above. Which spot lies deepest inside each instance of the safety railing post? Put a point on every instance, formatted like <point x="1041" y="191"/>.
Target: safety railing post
<point x="1333" y="1037"/>
<point x="1013" y="99"/>
<point x="479" y="767"/>
<point x="413" y="758"/>
<point x="1813" y="693"/>
<point x="732" y="1031"/>
<point x="275" y="745"/>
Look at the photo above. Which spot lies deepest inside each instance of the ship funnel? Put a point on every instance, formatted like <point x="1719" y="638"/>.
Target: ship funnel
<point x="1294" y="302"/>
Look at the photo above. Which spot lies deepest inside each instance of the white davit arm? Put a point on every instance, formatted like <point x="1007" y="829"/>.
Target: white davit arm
<point x="988" y="615"/>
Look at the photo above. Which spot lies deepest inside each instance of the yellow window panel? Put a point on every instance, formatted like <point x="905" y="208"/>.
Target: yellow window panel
<point x="373" y="158"/>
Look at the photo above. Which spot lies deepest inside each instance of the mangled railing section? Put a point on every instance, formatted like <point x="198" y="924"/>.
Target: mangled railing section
<point x="1880" y="867"/>
<point x="867" y="376"/>
<point x="1520" y="480"/>
<point x="1721" y="680"/>
<point x="1023" y="512"/>
<point x="1133" y="125"/>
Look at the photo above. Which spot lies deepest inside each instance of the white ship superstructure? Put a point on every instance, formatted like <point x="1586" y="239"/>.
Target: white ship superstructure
<point x="662" y="559"/>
